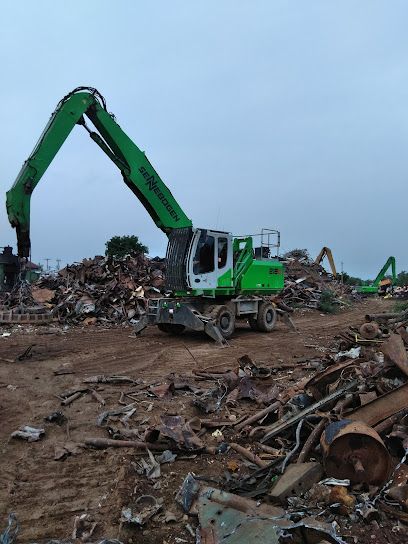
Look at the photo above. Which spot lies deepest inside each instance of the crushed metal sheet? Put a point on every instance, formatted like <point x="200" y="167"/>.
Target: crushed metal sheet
<point x="31" y="434"/>
<point x="178" y="430"/>
<point x="230" y="519"/>
<point x="125" y="410"/>
<point x="145" y="507"/>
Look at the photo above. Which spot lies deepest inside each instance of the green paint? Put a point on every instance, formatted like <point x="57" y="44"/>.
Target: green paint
<point x="263" y="277"/>
<point x="226" y="279"/>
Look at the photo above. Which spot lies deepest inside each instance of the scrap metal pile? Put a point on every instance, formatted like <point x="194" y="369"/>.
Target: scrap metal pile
<point x="106" y="290"/>
<point x="306" y="281"/>
<point x="306" y="450"/>
<point x="400" y="293"/>
<point x="102" y="290"/>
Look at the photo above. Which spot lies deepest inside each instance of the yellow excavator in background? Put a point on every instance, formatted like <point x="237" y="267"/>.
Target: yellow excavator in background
<point x="326" y="252"/>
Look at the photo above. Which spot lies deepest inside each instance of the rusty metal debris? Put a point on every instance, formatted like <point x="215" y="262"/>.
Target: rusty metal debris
<point x="354" y="451"/>
<point x="263" y="433"/>
<point x="105" y="291"/>
<point x="111" y="379"/>
<point x="288" y="422"/>
<point x="67" y="449"/>
<point x="306" y="280"/>
<point x="381" y="408"/>
<point x="370" y="330"/>
<point x="356" y="384"/>
<point x="394" y="350"/>
<point x="335" y="496"/>
<point x="102" y="443"/>
<point x="298" y="478"/>
<point x="398" y="490"/>
<point x="248" y="455"/>
<point x="99" y="290"/>
<point x="178" y="431"/>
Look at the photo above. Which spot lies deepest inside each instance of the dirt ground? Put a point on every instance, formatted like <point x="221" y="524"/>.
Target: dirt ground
<point x="47" y="494"/>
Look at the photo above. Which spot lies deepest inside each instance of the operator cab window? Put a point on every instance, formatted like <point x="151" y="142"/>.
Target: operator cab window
<point x="204" y="255"/>
<point x="222" y="252"/>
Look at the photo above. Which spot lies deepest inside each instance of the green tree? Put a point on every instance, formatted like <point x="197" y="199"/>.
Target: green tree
<point x="352" y="280"/>
<point x="119" y="246"/>
<point x="402" y="278"/>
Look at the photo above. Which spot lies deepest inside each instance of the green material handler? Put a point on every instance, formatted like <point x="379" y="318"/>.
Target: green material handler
<point x="212" y="278"/>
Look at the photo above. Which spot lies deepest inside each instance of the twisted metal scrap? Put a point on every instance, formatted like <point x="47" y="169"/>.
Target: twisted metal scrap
<point x="20" y="296"/>
<point x="10" y="534"/>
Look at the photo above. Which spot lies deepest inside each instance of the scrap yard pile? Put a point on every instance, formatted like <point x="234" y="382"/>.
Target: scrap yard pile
<point x="298" y="452"/>
<point x="106" y="290"/>
<point x="308" y="285"/>
<point x="102" y="289"/>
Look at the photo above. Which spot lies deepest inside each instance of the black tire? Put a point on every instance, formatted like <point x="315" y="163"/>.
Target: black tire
<point x="171" y="328"/>
<point x="267" y="317"/>
<point x="224" y="319"/>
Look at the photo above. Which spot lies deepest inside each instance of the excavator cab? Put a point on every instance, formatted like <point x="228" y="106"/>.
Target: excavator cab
<point x="210" y="260"/>
<point x="199" y="261"/>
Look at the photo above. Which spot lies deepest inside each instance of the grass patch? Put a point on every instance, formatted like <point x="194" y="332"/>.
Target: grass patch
<point x="401" y="306"/>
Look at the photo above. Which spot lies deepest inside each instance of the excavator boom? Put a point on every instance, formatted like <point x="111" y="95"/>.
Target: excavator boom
<point x="389" y="263"/>
<point x="138" y="174"/>
<point x="327" y="252"/>
<point x="379" y="283"/>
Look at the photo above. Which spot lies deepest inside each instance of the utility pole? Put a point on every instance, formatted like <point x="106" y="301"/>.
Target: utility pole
<point x="47" y="266"/>
<point x="58" y="263"/>
<point x="341" y="271"/>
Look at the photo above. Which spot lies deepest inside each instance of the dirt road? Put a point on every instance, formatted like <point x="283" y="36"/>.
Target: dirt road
<point x="47" y="494"/>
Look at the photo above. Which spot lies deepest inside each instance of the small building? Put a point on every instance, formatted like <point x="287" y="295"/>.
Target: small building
<point x="10" y="268"/>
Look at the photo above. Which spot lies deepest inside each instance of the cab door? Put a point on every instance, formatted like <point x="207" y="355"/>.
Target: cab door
<point x="210" y="258"/>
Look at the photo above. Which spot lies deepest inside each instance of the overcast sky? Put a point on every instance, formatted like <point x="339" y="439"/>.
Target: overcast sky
<point x="279" y="114"/>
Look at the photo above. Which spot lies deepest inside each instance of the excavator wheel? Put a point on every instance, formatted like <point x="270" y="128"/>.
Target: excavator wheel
<point x="224" y="319"/>
<point x="266" y="318"/>
<point x="171" y="328"/>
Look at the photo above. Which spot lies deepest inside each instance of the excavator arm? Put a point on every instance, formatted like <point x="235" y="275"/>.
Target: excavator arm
<point x="138" y="174"/>
<point x="389" y="263"/>
<point x="327" y="252"/>
<point x="380" y="284"/>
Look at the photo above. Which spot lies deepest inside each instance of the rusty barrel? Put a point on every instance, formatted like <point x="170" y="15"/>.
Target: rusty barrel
<point x="353" y="450"/>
